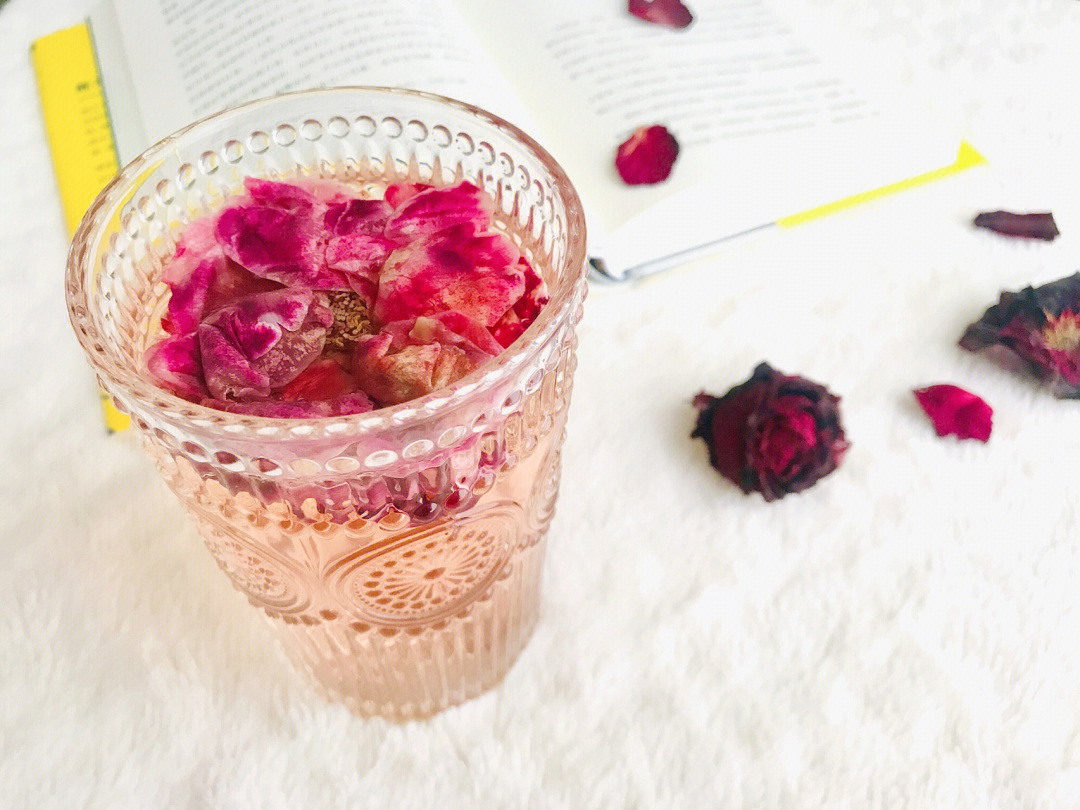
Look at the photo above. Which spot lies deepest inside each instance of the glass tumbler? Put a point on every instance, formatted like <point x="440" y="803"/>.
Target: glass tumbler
<point x="398" y="553"/>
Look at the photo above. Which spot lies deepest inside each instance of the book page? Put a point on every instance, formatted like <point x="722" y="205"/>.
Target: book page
<point x="190" y="58"/>
<point x="767" y="124"/>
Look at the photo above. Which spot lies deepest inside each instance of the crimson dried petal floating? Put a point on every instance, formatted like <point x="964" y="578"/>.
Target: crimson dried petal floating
<point x="1030" y="226"/>
<point x="397" y="373"/>
<point x="956" y="412"/>
<point x="446" y="329"/>
<point x="356" y="246"/>
<point x="398" y="193"/>
<point x="647" y="156"/>
<point x="453" y="270"/>
<point x="774" y="434"/>
<point x="1037" y="328"/>
<point x="672" y="13"/>
<point x="436" y="209"/>
<point x="201" y="279"/>
<point x="262" y="342"/>
<point x="323" y="379"/>
<point x="517" y="319"/>
<point x="174" y="364"/>
<point x="277" y="233"/>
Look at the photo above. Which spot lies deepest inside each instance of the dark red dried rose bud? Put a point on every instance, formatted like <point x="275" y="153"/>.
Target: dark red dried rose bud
<point x="1030" y="226"/>
<point x="956" y="412"/>
<point x="646" y="156"/>
<point x="774" y="434"/>
<point x="1037" y="328"/>
<point x="661" y="12"/>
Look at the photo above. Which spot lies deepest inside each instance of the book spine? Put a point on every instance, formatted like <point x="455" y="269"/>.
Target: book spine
<point x="79" y="132"/>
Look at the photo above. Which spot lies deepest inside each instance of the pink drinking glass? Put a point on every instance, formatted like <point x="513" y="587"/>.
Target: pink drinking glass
<point x="397" y="553"/>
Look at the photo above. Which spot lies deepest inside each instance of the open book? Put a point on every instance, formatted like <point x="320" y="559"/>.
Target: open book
<point x="775" y="111"/>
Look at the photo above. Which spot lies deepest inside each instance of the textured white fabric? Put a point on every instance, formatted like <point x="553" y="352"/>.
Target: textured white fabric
<point x="903" y="635"/>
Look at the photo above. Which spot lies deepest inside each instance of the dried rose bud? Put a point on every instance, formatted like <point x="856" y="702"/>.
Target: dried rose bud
<point x="956" y="412"/>
<point x="1038" y="327"/>
<point x="774" y="434"/>
<point x="1030" y="226"/>
<point x="671" y="13"/>
<point x="646" y="156"/>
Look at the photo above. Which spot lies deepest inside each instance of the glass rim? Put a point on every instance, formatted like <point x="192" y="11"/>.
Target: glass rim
<point x="111" y="198"/>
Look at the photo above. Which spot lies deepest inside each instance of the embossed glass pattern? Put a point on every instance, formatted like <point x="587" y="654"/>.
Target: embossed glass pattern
<point x="398" y="552"/>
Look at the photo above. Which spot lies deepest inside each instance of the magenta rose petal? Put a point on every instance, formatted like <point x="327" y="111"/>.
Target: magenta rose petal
<point x="277" y="233"/>
<point x="956" y="412"/>
<point x="774" y="434"/>
<point x="671" y="13"/>
<point x="436" y="209"/>
<point x="229" y="374"/>
<point x="175" y="365"/>
<point x="646" y="157"/>
<point x="1029" y="226"/>
<point x="262" y="342"/>
<point x="398" y="193"/>
<point x="356" y="245"/>
<point x="525" y="310"/>
<point x="323" y="379"/>
<point x="1037" y="329"/>
<point x="446" y="329"/>
<point x="455" y="270"/>
<point x="201" y="279"/>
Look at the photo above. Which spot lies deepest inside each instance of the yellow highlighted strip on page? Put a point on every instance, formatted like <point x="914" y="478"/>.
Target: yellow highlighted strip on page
<point x="966" y="158"/>
<point x="80" y="135"/>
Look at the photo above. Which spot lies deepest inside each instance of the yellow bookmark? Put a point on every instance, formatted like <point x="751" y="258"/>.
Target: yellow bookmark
<point x="966" y="158"/>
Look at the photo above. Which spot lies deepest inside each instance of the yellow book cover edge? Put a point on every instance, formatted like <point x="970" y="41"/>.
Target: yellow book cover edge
<point x="79" y="133"/>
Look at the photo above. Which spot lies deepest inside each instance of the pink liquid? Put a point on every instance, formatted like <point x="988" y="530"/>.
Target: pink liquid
<point x="392" y="619"/>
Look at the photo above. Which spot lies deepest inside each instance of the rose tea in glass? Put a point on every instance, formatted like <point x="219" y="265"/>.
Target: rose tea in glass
<point x="398" y="552"/>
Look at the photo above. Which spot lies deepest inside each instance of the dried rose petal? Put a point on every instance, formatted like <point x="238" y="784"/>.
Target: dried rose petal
<point x="1030" y="226"/>
<point x="661" y="12"/>
<point x="201" y="279"/>
<point x="323" y="379"/>
<point x="411" y="359"/>
<point x="262" y="342"/>
<point x="356" y="246"/>
<point x="389" y="376"/>
<point x="398" y="193"/>
<point x="446" y="329"/>
<point x="277" y="233"/>
<point x="524" y="312"/>
<point x="355" y="402"/>
<point x="774" y="434"/>
<point x="956" y="411"/>
<point x="1037" y="327"/>
<point x="173" y="363"/>
<point x="228" y="373"/>
<point x="454" y="270"/>
<point x="437" y="209"/>
<point x="646" y="156"/>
